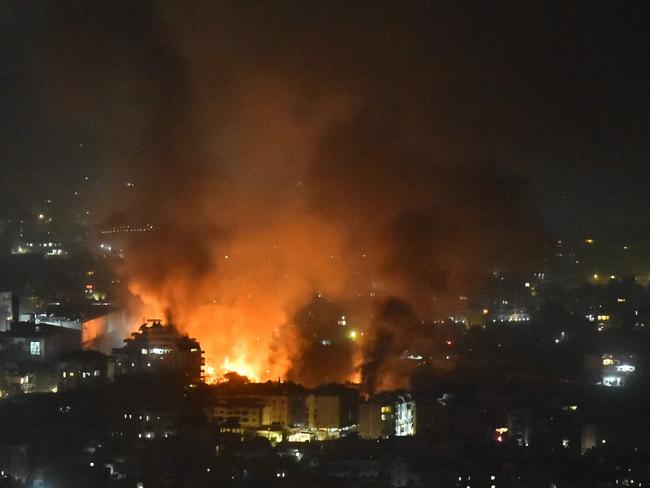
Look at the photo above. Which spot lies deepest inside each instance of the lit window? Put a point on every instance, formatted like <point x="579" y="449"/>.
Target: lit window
<point x="35" y="348"/>
<point x="160" y="350"/>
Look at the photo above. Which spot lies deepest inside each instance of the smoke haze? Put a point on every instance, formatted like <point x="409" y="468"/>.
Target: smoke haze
<point x="298" y="166"/>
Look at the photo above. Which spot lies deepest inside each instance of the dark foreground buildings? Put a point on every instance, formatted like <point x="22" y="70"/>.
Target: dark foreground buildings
<point x="516" y="397"/>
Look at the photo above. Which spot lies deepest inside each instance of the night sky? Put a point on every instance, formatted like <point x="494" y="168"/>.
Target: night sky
<point x="556" y="94"/>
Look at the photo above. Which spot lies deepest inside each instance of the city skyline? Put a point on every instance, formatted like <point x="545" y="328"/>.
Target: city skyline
<point x="342" y="244"/>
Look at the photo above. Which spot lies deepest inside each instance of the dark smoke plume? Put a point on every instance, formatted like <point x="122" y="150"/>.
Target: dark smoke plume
<point x="287" y="149"/>
<point x="394" y="330"/>
<point x="326" y="353"/>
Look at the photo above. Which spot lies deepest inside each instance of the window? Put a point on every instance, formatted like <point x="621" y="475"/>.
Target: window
<point x="161" y="350"/>
<point x="35" y="348"/>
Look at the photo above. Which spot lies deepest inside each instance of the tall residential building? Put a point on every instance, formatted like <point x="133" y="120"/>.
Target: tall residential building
<point x="156" y="347"/>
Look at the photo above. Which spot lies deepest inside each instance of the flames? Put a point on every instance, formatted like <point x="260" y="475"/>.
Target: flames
<point x="278" y="206"/>
<point x="240" y="366"/>
<point x="251" y="337"/>
<point x="269" y="171"/>
<point x="230" y="336"/>
<point x="235" y="256"/>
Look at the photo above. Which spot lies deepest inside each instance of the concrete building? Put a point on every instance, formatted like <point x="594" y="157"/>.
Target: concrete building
<point x="156" y="347"/>
<point x="27" y="341"/>
<point x="333" y="409"/>
<point x="6" y="311"/>
<point x="146" y="423"/>
<point x="105" y="332"/>
<point x="387" y="415"/>
<point x="283" y="403"/>
<point x="84" y="368"/>
<point x="611" y="370"/>
<point x="247" y="412"/>
<point x="617" y="369"/>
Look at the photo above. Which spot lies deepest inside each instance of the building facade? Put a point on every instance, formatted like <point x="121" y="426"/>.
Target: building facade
<point x="156" y="347"/>
<point x="387" y="415"/>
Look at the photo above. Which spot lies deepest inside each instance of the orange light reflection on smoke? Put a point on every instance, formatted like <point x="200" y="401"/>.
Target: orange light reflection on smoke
<point x="234" y="337"/>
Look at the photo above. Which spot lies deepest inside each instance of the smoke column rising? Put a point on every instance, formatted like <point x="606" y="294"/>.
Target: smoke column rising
<point x="290" y="150"/>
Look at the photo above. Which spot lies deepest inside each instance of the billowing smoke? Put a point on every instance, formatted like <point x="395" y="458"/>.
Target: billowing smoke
<point x="395" y="330"/>
<point x="287" y="151"/>
<point x="326" y="353"/>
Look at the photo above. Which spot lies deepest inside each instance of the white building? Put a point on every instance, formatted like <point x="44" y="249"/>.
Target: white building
<point x="387" y="415"/>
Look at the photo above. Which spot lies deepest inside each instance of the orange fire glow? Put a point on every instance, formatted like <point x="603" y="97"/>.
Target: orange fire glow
<point x="277" y="254"/>
<point x="241" y="312"/>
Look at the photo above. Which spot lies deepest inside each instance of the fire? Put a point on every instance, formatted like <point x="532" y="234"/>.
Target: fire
<point x="241" y="308"/>
<point x="235" y="256"/>
<point x="235" y="337"/>
<point x="240" y="367"/>
<point x="214" y="374"/>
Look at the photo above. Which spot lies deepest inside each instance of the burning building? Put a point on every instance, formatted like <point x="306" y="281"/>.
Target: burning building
<point x="274" y="174"/>
<point x="156" y="347"/>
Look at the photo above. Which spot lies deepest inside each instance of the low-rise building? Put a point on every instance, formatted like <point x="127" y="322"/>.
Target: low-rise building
<point x="84" y="368"/>
<point x="333" y="410"/>
<point x="387" y="415"/>
<point x="611" y="370"/>
<point x="145" y="422"/>
<point x="283" y="403"/>
<point x="247" y="412"/>
<point x="29" y="342"/>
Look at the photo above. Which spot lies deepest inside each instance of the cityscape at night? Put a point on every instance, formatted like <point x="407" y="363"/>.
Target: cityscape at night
<point x="297" y="243"/>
